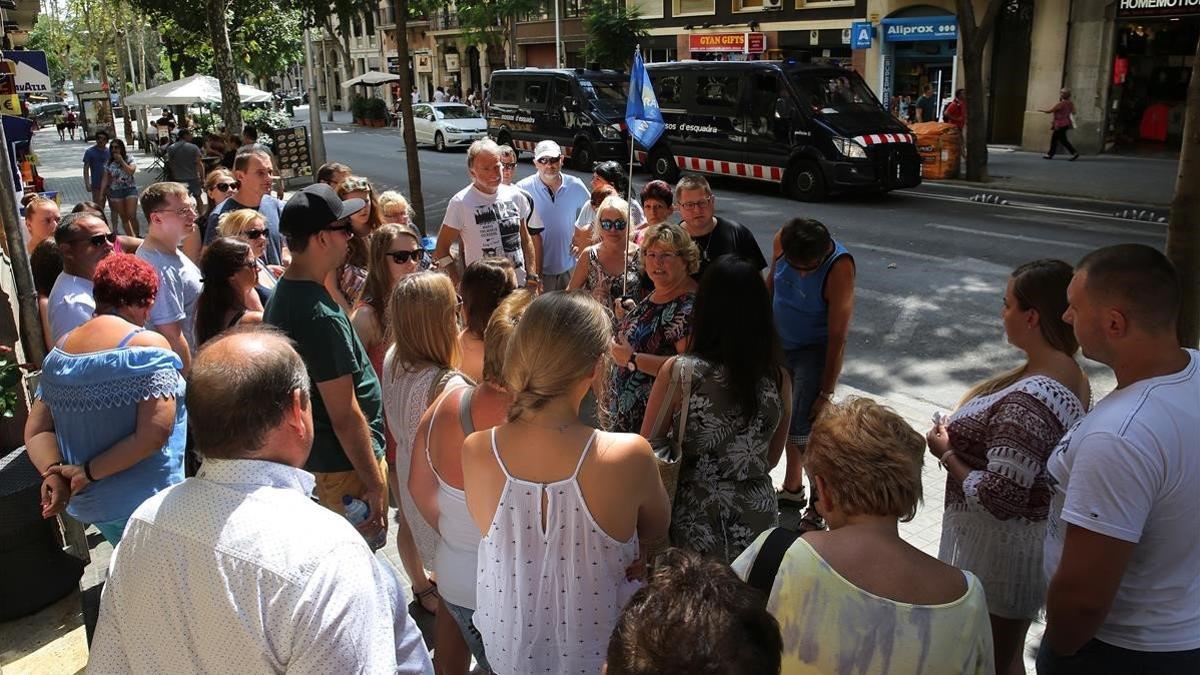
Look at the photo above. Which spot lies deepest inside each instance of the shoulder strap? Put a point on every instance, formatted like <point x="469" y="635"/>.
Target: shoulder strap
<point x="770" y="556"/>
<point x="687" y="369"/>
<point x="583" y="455"/>
<point x="464" y="412"/>
<point x="435" y="385"/>
<point x="665" y="405"/>
<point x="125" y="340"/>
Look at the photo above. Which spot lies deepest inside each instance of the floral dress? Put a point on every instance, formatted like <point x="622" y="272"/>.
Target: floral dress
<point x="724" y="498"/>
<point x="603" y="286"/>
<point x="649" y="328"/>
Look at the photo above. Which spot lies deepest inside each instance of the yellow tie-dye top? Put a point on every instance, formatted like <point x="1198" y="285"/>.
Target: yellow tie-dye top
<point x="833" y="627"/>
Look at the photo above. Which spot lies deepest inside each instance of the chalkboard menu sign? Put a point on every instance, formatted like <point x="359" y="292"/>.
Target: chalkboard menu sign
<point x="291" y="151"/>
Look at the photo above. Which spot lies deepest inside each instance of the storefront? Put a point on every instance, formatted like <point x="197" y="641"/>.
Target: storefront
<point x="1153" y="57"/>
<point x="916" y="51"/>
<point x="727" y="46"/>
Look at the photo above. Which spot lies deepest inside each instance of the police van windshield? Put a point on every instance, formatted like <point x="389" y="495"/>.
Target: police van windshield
<point x="606" y="91"/>
<point x="831" y="93"/>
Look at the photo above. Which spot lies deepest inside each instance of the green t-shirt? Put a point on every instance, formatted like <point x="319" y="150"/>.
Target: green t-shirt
<point x="330" y="349"/>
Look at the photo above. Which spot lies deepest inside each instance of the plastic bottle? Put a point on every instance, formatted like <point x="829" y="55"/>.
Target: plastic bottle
<point x="357" y="511"/>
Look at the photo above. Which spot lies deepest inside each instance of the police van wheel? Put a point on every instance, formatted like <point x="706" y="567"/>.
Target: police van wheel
<point x="662" y="166"/>
<point x="804" y="181"/>
<point x="583" y="156"/>
<point x="439" y="143"/>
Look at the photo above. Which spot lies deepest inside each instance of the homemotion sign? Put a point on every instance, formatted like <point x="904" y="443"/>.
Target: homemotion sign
<point x="1158" y="7"/>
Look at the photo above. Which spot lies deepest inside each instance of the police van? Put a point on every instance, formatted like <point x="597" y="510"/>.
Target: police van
<point x="814" y="129"/>
<point x="582" y="110"/>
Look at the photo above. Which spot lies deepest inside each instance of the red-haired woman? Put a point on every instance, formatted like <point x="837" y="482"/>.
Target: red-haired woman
<point x="107" y="429"/>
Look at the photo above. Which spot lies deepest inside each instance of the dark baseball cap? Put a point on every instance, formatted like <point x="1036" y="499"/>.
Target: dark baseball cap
<point x="313" y="209"/>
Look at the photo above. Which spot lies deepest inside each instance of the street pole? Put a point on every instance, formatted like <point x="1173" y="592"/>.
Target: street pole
<point x="27" y="308"/>
<point x="314" y="115"/>
<point x="558" y="55"/>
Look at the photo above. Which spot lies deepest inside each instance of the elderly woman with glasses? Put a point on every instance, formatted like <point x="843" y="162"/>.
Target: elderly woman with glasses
<point x="609" y="269"/>
<point x="653" y="330"/>
<point x="607" y="179"/>
<point x="107" y="428"/>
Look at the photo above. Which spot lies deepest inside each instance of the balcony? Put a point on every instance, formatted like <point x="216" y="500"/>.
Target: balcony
<point x="443" y="21"/>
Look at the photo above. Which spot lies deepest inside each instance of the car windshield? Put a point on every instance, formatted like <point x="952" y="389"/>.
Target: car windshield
<point x="832" y="93"/>
<point x="609" y="91"/>
<point x="457" y="112"/>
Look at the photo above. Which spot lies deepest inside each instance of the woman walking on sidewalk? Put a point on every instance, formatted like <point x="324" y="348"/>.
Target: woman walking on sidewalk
<point x="1062" y="121"/>
<point x="120" y="187"/>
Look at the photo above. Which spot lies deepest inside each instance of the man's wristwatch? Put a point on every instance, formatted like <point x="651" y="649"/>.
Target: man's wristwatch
<point x="631" y="364"/>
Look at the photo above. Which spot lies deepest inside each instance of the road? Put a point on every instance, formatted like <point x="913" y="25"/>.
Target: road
<point x="931" y="269"/>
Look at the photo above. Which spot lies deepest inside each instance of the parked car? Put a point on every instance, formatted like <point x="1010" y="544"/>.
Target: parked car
<point x="447" y="125"/>
<point x="44" y="113"/>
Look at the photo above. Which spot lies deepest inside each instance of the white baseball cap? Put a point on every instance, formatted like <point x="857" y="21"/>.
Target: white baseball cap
<point x="546" y="149"/>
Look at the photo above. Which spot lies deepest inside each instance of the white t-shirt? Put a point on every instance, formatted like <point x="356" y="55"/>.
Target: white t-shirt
<point x="490" y="225"/>
<point x="1130" y="470"/>
<point x="71" y="304"/>
<point x="179" y="287"/>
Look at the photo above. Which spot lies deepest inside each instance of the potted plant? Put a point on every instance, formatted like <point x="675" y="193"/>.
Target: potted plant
<point x="375" y="111"/>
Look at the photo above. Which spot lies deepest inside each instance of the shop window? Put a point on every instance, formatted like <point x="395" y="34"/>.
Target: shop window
<point x="662" y="55"/>
<point x="650" y="9"/>
<point x="693" y="7"/>
<point x="540" y="13"/>
<point x="717" y="91"/>
<point x="747" y="5"/>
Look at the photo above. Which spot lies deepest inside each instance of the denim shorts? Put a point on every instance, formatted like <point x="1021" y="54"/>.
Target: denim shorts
<point x="807" y="367"/>
<point x="462" y="617"/>
<point x="122" y="192"/>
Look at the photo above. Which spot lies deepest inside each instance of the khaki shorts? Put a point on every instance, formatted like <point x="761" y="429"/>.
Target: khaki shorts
<point x="331" y="487"/>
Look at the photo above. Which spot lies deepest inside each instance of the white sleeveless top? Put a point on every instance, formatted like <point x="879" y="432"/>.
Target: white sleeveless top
<point x="548" y="601"/>
<point x="458" y="542"/>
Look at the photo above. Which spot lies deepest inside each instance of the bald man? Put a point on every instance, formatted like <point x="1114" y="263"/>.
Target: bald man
<point x="274" y="582"/>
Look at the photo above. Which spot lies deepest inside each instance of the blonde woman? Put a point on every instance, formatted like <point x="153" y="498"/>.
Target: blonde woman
<point x="422" y="362"/>
<point x="654" y="329"/>
<point x="394" y="208"/>
<point x="394" y="255"/>
<point x="437" y="484"/>
<point x="609" y="269"/>
<point x="352" y="275"/>
<point x="561" y="506"/>
<point x="250" y="226"/>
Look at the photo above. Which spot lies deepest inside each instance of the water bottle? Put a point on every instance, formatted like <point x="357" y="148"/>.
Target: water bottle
<point x="357" y="511"/>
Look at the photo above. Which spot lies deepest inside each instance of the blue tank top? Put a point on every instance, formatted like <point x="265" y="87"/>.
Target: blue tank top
<point x="801" y="312"/>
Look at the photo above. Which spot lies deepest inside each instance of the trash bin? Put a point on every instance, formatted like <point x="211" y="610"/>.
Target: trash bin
<point x="940" y="146"/>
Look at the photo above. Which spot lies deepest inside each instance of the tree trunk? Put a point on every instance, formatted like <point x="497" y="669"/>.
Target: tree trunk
<point x="231" y="104"/>
<point x="1183" y="228"/>
<point x="415" y="197"/>
<point x="974" y="38"/>
<point x="125" y="116"/>
<point x="328" y="80"/>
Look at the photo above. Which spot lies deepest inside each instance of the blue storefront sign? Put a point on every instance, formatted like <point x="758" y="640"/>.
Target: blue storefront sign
<point x="861" y="34"/>
<point x="920" y="28"/>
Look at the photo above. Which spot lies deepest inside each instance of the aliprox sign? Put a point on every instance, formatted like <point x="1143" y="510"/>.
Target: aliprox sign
<point x="920" y="28"/>
<point x="1158" y="7"/>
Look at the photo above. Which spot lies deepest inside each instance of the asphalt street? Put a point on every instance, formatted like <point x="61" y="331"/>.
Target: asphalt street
<point x="931" y="268"/>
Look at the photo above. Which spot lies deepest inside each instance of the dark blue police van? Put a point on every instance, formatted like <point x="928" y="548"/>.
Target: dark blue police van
<point x="582" y="110"/>
<point x="814" y="129"/>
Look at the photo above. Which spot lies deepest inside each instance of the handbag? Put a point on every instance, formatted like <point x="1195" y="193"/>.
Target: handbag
<point x="668" y="451"/>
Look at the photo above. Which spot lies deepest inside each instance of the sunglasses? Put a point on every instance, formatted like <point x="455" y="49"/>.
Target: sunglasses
<point x="402" y="257"/>
<point x="355" y="185"/>
<point x="508" y="165"/>
<point x="618" y="224"/>
<point x="256" y="233"/>
<point x="342" y="225"/>
<point x="98" y="240"/>
<point x="549" y="160"/>
<point x="225" y="187"/>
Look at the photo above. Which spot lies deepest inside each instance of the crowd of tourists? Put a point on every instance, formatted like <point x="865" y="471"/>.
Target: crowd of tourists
<point x="573" y="401"/>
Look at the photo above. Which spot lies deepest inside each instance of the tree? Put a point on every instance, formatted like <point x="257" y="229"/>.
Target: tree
<point x="493" y="22"/>
<point x="415" y="196"/>
<point x="615" y="31"/>
<point x="1183" y="227"/>
<point x="974" y="38"/>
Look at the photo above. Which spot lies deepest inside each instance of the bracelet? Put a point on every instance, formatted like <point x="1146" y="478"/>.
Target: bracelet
<point x="942" y="460"/>
<point x="87" y="471"/>
<point x="47" y="471"/>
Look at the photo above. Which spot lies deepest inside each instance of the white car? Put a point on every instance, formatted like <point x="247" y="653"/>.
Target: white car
<point x="447" y="124"/>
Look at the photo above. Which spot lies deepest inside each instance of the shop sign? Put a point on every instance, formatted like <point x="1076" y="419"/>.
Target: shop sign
<point x="921" y="28"/>
<point x="741" y="43"/>
<point x="424" y="63"/>
<point x="452" y="62"/>
<point x="861" y="34"/>
<point x="32" y="72"/>
<point x="1157" y="7"/>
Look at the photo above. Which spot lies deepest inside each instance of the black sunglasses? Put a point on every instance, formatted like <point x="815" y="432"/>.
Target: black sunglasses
<point x="549" y="160"/>
<point x="342" y="225"/>
<point x="402" y="257"/>
<point x="97" y="239"/>
<point x="618" y="224"/>
<point x="255" y="233"/>
<point x="226" y="187"/>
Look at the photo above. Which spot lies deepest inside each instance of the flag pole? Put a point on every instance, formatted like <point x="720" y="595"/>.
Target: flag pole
<point x="629" y="224"/>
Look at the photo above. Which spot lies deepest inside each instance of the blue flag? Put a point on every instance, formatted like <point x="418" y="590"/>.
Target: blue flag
<point x="642" y="114"/>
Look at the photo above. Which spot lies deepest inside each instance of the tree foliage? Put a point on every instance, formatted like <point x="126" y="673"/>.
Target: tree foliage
<point x="491" y="22"/>
<point x="614" y="31"/>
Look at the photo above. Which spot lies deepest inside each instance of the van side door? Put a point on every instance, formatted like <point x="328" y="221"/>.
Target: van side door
<point x="768" y="120"/>
<point x="554" y="124"/>
<point x="534" y="93"/>
<point x="712" y="133"/>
